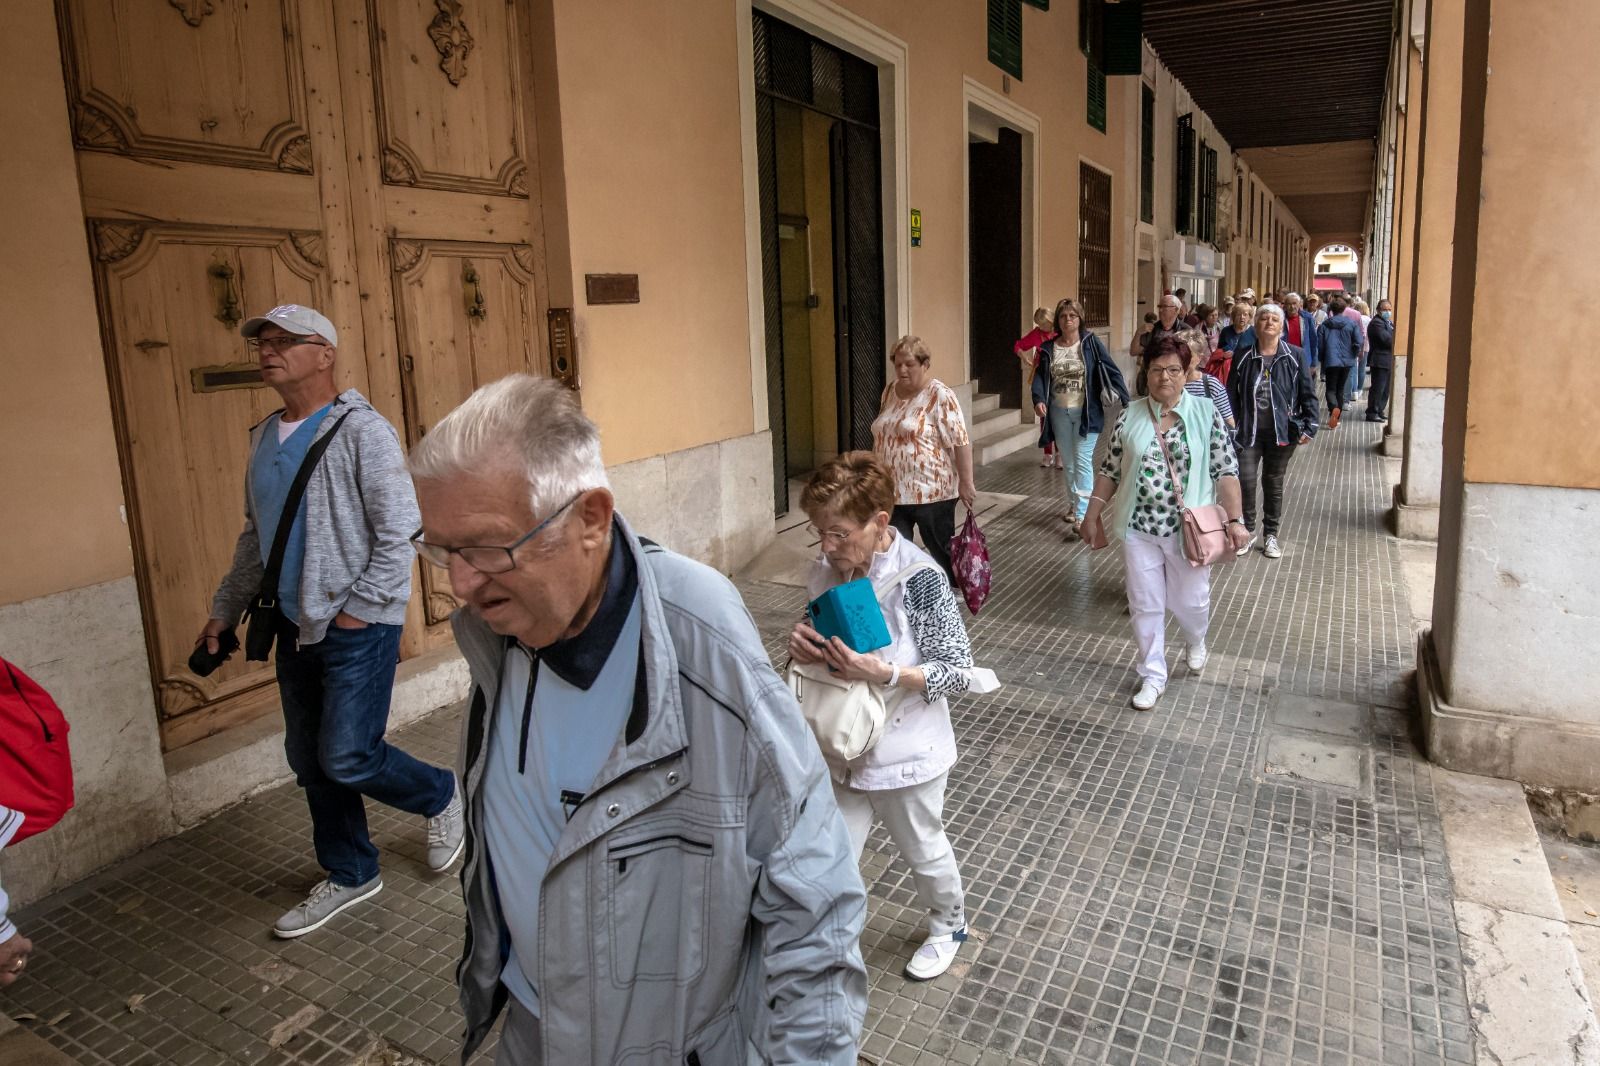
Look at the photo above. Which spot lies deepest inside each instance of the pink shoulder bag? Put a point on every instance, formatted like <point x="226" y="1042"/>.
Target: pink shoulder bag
<point x="1205" y="528"/>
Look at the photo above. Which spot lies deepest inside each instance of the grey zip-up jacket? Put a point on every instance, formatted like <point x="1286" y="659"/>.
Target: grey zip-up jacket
<point x="361" y="513"/>
<point x="703" y="905"/>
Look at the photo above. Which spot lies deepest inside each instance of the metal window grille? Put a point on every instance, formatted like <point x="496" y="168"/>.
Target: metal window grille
<point x="1184" y="207"/>
<point x="1094" y="245"/>
<point x="1147" y="155"/>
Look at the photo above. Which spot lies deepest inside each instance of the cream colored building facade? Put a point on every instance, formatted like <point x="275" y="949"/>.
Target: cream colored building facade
<point x="462" y="212"/>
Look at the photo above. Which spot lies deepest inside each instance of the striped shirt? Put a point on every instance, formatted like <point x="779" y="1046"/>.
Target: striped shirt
<point x="1211" y="389"/>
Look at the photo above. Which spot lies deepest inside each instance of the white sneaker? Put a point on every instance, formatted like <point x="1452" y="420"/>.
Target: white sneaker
<point x="1147" y="695"/>
<point x="1197" y="657"/>
<point x="1272" y="549"/>
<point x="1242" y="552"/>
<point x="935" y="955"/>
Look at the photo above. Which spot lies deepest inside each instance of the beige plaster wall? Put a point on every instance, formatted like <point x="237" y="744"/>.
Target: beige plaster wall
<point x="61" y="524"/>
<point x="1536" y="226"/>
<point x="1441" y="143"/>
<point x="1406" y="206"/>
<point x="654" y="186"/>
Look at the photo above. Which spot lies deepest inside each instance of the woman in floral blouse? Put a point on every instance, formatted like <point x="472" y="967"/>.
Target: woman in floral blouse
<point x="1146" y="515"/>
<point x="920" y="434"/>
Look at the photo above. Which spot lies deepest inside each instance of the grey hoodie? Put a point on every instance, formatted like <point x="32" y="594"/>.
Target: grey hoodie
<point x="360" y="515"/>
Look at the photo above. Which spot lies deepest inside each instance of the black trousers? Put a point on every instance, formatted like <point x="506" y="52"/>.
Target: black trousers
<point x="1335" y="377"/>
<point x="1378" y="396"/>
<point x="1270" y="465"/>
<point x="937" y="524"/>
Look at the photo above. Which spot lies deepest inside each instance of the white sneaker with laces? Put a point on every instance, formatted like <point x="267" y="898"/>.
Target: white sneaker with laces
<point x="447" y="833"/>
<point x="1242" y="552"/>
<point x="1147" y="695"/>
<point x="1197" y="656"/>
<point x="1272" y="549"/>
<point x="935" y="955"/>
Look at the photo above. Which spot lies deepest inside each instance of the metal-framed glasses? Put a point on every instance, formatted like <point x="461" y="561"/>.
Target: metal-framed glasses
<point x="281" y="344"/>
<point x="484" y="558"/>
<point x="1166" y="372"/>
<point x="830" y="536"/>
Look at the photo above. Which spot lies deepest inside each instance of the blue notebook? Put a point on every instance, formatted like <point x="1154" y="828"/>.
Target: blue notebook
<point x="851" y="612"/>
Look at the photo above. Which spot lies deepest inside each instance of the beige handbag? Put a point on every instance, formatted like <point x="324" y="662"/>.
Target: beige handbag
<point x="847" y="717"/>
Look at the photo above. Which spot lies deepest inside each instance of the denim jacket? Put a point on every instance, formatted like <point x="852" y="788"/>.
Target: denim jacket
<point x="1294" y="397"/>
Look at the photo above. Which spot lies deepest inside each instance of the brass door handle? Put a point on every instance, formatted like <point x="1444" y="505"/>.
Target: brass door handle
<point x="228" y="312"/>
<point x="476" y="307"/>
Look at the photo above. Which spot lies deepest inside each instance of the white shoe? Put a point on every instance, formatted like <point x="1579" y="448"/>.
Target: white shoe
<point x="1147" y="695"/>
<point x="935" y="955"/>
<point x="1272" y="549"/>
<point x="1242" y="552"/>
<point x="1197" y="657"/>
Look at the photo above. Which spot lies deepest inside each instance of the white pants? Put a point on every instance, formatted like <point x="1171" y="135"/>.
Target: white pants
<point x="1160" y="579"/>
<point x="914" y="817"/>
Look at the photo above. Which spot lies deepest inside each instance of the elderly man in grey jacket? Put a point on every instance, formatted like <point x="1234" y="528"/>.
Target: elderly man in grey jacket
<point x="656" y="870"/>
<point x="344" y="579"/>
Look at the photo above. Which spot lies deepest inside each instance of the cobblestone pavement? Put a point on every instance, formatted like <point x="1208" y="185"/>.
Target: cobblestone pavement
<point x="1252" y="873"/>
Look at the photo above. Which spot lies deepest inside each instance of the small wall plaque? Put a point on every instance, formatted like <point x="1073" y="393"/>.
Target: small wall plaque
<point x="611" y="288"/>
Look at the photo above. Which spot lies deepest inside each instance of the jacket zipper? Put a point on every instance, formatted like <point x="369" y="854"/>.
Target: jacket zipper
<point x="44" y="727"/>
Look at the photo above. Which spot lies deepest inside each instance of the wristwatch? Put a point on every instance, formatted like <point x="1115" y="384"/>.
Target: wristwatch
<point x="1236" y="521"/>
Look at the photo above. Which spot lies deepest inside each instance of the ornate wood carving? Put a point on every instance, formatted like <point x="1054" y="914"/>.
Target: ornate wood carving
<point x="194" y="12"/>
<point x="177" y="695"/>
<point x="441" y="605"/>
<point x="451" y="38"/>
<point x="114" y="241"/>
<point x="94" y="129"/>
<point x="309" y="244"/>
<point x="397" y="169"/>
<point x="296" y="156"/>
<point x="406" y="254"/>
<point x="523" y="253"/>
<point x="232" y="119"/>
<point x="486" y="151"/>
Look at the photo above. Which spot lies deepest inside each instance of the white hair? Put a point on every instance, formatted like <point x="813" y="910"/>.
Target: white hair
<point x="525" y="421"/>
<point x="1296" y="297"/>
<point x="1273" y="308"/>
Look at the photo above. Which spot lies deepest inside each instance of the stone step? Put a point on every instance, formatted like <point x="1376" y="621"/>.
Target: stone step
<point x="984" y="402"/>
<point x="993" y="423"/>
<point x="998" y="446"/>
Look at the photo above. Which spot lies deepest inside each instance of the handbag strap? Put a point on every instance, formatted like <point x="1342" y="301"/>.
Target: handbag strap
<point x="894" y="580"/>
<point x="268" y="596"/>
<point x="1177" y="485"/>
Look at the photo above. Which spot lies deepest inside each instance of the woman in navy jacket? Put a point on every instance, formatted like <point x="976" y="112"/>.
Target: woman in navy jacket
<point x="1074" y="369"/>
<point x="1339" y="346"/>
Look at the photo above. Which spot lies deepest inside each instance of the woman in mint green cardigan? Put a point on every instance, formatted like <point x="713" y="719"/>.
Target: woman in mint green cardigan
<point x="1136" y="486"/>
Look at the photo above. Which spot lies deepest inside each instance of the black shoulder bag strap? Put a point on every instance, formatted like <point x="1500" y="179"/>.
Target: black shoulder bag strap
<point x="265" y="618"/>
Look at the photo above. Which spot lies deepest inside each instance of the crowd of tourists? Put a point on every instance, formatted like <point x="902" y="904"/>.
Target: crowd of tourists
<point x="661" y="842"/>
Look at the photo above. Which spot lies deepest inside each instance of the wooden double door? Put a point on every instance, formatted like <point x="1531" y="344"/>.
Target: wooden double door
<point x="371" y="158"/>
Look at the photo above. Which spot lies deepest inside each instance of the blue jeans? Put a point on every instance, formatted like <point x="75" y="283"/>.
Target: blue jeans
<point x="335" y="708"/>
<point x="1077" y="456"/>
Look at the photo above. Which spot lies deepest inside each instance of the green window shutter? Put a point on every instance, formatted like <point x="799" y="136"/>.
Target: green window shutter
<point x="1097" y="96"/>
<point x="1042" y="5"/>
<point x="1183" y="206"/>
<point x="1005" y="35"/>
<point x="1121" y="30"/>
<point x="1091" y="16"/>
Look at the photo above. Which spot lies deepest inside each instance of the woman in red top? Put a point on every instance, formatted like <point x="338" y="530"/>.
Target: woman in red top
<point x="1027" y="350"/>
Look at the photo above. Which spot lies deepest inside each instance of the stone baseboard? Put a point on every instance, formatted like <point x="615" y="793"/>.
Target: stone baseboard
<point x="1413" y="522"/>
<point x="1394" y="444"/>
<point x="1534" y="751"/>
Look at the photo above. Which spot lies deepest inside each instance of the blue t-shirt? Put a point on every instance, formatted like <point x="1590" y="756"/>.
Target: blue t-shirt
<point x="272" y="471"/>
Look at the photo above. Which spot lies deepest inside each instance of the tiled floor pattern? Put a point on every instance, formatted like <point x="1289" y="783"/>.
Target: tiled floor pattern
<point x="1141" y="891"/>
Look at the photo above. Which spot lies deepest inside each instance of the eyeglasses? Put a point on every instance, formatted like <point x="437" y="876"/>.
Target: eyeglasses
<point x="1165" y="372"/>
<point x="830" y="536"/>
<point x="484" y="558"/>
<point x="281" y="344"/>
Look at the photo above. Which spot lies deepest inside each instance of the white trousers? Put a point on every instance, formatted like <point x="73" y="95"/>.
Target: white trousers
<point x="1160" y="579"/>
<point x="914" y="817"/>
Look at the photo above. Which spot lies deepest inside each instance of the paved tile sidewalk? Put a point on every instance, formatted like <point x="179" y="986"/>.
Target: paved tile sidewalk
<point x="1252" y="873"/>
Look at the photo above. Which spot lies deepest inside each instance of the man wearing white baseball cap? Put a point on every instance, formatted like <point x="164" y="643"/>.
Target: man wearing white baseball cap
<point x="323" y="567"/>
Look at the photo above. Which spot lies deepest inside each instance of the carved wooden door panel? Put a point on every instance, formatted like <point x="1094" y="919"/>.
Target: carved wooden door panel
<point x="238" y="155"/>
<point x="187" y="401"/>
<point x="466" y="318"/>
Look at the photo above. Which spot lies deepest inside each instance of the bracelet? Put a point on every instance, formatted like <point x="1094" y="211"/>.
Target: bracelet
<point x="894" y="674"/>
<point x="1102" y="499"/>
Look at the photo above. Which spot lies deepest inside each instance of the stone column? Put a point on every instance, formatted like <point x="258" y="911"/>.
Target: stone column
<point x="1416" y="498"/>
<point x="1509" y="675"/>
<point x="1405" y="229"/>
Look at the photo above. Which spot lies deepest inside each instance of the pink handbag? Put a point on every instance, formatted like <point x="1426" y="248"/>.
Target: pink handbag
<point x="1205" y="528"/>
